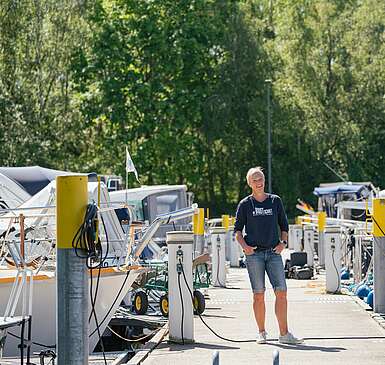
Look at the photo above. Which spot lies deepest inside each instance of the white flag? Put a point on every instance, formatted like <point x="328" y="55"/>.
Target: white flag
<point x="130" y="165"/>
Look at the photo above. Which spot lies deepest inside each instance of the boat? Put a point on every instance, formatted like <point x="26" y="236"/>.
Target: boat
<point x="120" y="267"/>
<point x="115" y="278"/>
<point x="114" y="283"/>
<point x="149" y="202"/>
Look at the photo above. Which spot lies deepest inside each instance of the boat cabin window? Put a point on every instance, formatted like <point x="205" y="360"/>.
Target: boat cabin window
<point x="167" y="203"/>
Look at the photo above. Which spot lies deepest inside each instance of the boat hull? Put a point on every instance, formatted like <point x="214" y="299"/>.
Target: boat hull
<point x="113" y="286"/>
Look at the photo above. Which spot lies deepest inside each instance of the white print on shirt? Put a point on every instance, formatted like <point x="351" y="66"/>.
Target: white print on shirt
<point x="262" y="211"/>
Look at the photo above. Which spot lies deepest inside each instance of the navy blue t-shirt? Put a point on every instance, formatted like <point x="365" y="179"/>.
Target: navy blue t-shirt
<point x="261" y="220"/>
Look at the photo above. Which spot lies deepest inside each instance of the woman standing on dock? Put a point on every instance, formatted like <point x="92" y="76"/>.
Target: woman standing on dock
<point x="260" y="214"/>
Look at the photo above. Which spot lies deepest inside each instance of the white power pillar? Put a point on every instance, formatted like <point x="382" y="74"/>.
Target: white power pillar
<point x="234" y="248"/>
<point x="308" y="244"/>
<point x="291" y="237"/>
<point x="332" y="246"/>
<point x="296" y="237"/>
<point x="180" y="246"/>
<point x="218" y="256"/>
<point x="228" y="235"/>
<point x="379" y="255"/>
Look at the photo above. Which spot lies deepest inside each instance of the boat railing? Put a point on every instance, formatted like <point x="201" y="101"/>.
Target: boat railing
<point x="22" y="289"/>
<point x="158" y="221"/>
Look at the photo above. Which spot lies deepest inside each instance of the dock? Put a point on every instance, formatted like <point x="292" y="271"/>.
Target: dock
<point x="337" y="329"/>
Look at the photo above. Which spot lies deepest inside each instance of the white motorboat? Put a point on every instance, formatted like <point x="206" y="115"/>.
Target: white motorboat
<point x="114" y="284"/>
<point x="115" y="280"/>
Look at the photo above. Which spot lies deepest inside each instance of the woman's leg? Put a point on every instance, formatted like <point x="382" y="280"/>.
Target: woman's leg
<point x="259" y="310"/>
<point x="281" y="311"/>
<point x="255" y="264"/>
<point x="276" y="273"/>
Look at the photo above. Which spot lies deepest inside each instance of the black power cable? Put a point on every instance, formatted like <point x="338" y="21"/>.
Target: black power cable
<point x="182" y="304"/>
<point x="374" y="220"/>
<point x="98" y="266"/>
<point x="83" y="241"/>
<point x="85" y="237"/>
<point x="34" y="343"/>
<point x="86" y="241"/>
<point x="192" y="298"/>
<point x="95" y="316"/>
<point x="112" y="305"/>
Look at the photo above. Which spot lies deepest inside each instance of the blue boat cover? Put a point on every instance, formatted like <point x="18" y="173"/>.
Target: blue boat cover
<point x="339" y="189"/>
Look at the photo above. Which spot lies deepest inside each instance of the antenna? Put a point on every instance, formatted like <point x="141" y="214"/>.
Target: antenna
<point x="334" y="172"/>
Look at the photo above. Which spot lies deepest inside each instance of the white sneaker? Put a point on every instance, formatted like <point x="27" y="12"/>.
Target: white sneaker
<point x="290" y="339"/>
<point x="261" y="337"/>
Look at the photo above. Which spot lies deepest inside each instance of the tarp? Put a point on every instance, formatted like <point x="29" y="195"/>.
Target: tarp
<point x="339" y="189"/>
<point x="34" y="178"/>
<point x="11" y="193"/>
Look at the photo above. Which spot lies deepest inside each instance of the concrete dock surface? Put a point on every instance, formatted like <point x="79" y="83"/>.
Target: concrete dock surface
<point x="336" y="328"/>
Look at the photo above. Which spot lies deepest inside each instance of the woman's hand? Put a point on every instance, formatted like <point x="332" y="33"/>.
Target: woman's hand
<point x="279" y="248"/>
<point x="248" y="250"/>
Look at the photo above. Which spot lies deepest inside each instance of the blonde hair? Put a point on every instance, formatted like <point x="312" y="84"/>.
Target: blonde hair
<point x="252" y="171"/>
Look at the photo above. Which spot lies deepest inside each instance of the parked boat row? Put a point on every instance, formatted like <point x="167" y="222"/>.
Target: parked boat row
<point x="28" y="242"/>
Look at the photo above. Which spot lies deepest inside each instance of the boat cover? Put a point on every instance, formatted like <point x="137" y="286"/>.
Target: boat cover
<point x="339" y="189"/>
<point x="34" y="178"/>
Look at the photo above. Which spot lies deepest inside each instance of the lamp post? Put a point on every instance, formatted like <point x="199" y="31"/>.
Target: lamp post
<point x="268" y="83"/>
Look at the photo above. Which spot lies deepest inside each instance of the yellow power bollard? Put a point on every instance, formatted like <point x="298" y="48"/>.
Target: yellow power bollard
<point x="71" y="271"/>
<point x="321" y="237"/>
<point x="225" y="221"/>
<point x="378" y="218"/>
<point x="321" y="221"/>
<point x="226" y="225"/>
<point x="199" y="231"/>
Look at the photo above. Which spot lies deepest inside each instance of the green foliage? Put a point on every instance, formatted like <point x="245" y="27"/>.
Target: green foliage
<point x="183" y="85"/>
<point x="38" y="120"/>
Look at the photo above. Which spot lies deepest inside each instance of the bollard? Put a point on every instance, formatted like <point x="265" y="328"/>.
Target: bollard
<point x="321" y="238"/>
<point x="296" y="237"/>
<point x="290" y="244"/>
<point x="234" y="248"/>
<point x="218" y="256"/>
<point x="181" y="320"/>
<point x="216" y="358"/>
<point x="308" y="244"/>
<point x="321" y="249"/>
<point x="275" y="357"/>
<point x="226" y="226"/>
<point x="378" y="218"/>
<point x="199" y="231"/>
<point x="333" y="259"/>
<point x="71" y="273"/>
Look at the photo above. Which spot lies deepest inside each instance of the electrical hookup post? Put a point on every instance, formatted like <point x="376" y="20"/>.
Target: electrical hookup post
<point x="378" y="218"/>
<point x="71" y="272"/>
<point x="218" y="258"/>
<point x="180" y="286"/>
<point x="333" y="257"/>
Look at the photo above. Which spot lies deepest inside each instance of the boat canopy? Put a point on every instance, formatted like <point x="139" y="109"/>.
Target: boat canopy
<point x="34" y="178"/>
<point x="339" y="189"/>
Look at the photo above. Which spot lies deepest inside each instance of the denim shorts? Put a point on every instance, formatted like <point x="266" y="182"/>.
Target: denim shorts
<point x="266" y="261"/>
